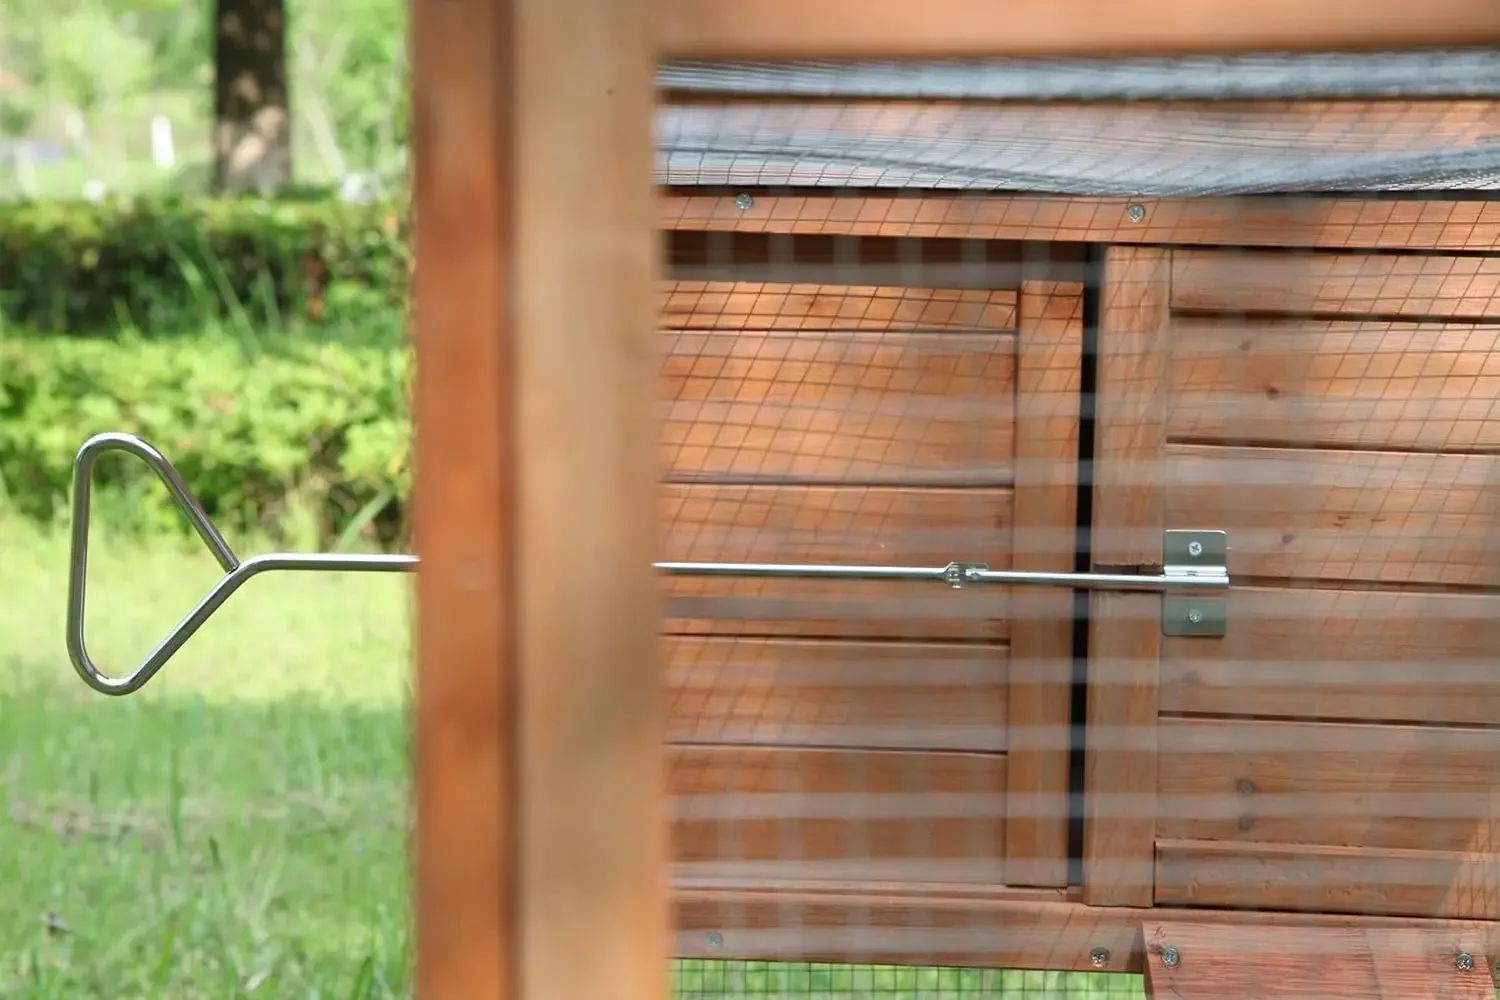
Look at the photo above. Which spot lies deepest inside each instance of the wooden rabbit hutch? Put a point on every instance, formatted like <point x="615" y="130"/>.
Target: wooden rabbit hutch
<point x="863" y="366"/>
<point x="1242" y="328"/>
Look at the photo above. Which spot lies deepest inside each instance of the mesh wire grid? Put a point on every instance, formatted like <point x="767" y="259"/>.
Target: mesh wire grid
<point x="897" y="789"/>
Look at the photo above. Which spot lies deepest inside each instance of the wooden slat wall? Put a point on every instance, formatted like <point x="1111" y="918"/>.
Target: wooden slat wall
<point x="855" y="732"/>
<point x="1337" y="751"/>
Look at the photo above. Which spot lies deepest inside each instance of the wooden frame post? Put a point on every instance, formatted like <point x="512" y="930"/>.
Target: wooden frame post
<point x="541" y="834"/>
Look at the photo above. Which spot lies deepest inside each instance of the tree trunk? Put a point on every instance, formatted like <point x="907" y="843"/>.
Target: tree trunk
<point x="252" y="115"/>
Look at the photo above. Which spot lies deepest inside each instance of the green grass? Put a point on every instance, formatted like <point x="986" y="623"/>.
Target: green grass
<point x="238" y="828"/>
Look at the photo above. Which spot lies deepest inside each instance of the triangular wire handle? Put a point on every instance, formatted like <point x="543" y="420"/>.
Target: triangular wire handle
<point x="236" y="571"/>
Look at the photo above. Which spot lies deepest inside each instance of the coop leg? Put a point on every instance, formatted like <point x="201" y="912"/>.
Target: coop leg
<point x="1249" y="961"/>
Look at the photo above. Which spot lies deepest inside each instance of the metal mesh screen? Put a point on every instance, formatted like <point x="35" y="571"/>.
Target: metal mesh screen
<point x="882" y="348"/>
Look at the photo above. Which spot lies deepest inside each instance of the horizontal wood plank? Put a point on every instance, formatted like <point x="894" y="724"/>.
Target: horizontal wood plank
<point x="1324" y="879"/>
<point x="848" y="29"/>
<point x="1420" y="788"/>
<point x="1349" y="655"/>
<point x="1386" y="286"/>
<point x="1000" y="929"/>
<point x="839" y="406"/>
<point x="764" y="306"/>
<point x="1407" y="386"/>
<point x="1290" y="221"/>
<point x="1351" y="962"/>
<point x="783" y="814"/>
<point x="794" y="524"/>
<point x="1375" y="517"/>
<point x="773" y="692"/>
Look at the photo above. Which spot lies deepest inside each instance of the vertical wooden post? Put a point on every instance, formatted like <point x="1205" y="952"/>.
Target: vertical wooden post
<point x="1125" y="629"/>
<point x="540" y="854"/>
<point x="1049" y="372"/>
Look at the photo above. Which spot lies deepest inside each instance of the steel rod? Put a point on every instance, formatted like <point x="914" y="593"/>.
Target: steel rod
<point x="238" y="571"/>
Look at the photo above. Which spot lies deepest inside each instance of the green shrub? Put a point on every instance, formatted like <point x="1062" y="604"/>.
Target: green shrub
<point x="174" y="266"/>
<point x="310" y="443"/>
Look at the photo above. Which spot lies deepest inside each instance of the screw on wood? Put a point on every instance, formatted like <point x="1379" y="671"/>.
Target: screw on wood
<point x="1465" y="962"/>
<point x="1099" y="957"/>
<point x="1170" y="958"/>
<point x="1136" y="213"/>
<point x="744" y="202"/>
<point x="716" y="941"/>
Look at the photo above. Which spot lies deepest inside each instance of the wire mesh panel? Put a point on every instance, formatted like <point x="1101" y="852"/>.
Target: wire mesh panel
<point x="884" y="346"/>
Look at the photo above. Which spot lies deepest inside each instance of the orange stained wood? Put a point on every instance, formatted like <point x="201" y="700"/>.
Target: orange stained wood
<point x="781" y="815"/>
<point x="1399" y="386"/>
<point x="538" y="732"/>
<point x="835" y="29"/>
<point x="466" y="744"/>
<point x="851" y="695"/>
<point x="1125" y="629"/>
<point x="1049" y="369"/>
<point x="1292" y="221"/>
<point x="1337" y="285"/>
<point x="1211" y="962"/>
<point x="1310" y="878"/>
<point x="1002" y="929"/>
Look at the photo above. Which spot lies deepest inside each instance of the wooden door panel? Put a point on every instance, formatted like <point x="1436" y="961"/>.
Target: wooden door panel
<point x="1336" y="750"/>
<point x="882" y="733"/>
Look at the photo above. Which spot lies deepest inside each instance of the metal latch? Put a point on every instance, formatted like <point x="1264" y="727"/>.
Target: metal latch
<point x="1194" y="563"/>
<point x="1195" y="555"/>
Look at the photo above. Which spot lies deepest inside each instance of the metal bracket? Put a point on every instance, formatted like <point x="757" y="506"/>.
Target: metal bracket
<point x="1193" y="562"/>
<point x="1195" y="555"/>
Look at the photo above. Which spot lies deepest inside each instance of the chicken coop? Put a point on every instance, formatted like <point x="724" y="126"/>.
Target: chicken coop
<point x="980" y="492"/>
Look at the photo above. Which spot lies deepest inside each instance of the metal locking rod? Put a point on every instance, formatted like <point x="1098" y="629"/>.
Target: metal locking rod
<point x="1194" y="561"/>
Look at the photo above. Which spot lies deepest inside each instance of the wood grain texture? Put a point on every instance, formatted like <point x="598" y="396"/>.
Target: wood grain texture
<point x="999" y="929"/>
<point x="819" y="406"/>
<point x="1418" y="788"/>
<point x="1344" y="655"/>
<point x="1125" y="629"/>
<point x="1292" y="221"/>
<point x="886" y="695"/>
<point x="1322" y="879"/>
<point x="844" y="815"/>
<point x="1345" y="516"/>
<point x="464" y="741"/>
<point x="1344" y="285"/>
<point x="897" y="527"/>
<point x="764" y="306"/>
<point x="1399" y="386"/>
<point x="847" y="29"/>
<point x="594" y="830"/>
<point x="1351" y="963"/>
<point x="1049" y="371"/>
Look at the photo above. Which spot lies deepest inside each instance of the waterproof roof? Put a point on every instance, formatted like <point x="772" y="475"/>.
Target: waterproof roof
<point x="1228" y="125"/>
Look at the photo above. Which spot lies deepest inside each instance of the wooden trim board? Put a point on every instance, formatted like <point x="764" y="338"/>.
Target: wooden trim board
<point x="940" y="29"/>
<point x="1291" y="221"/>
<point x="538" y="729"/>
<point x="1002" y="929"/>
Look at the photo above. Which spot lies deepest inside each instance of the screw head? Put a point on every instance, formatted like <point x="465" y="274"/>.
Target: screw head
<point x="1195" y="548"/>
<point x="744" y="202"/>
<point x="1170" y="958"/>
<point x="1136" y="213"/>
<point x="1195" y="616"/>
<point x="1465" y="962"/>
<point x="716" y="940"/>
<point x="1099" y="957"/>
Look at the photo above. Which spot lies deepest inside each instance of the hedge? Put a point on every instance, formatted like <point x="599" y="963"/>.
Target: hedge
<point x="170" y="266"/>
<point x="310" y="444"/>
